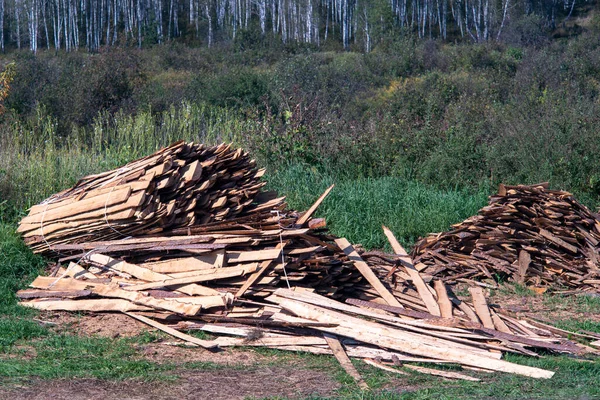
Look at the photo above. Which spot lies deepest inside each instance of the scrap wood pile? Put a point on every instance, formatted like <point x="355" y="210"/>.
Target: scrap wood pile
<point x="183" y="185"/>
<point x="264" y="276"/>
<point x="384" y="311"/>
<point x="535" y="236"/>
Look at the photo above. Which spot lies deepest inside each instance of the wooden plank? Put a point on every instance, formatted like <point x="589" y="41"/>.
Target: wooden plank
<point x="422" y="288"/>
<point x="179" y="335"/>
<point x="396" y="246"/>
<point x="524" y="261"/>
<point x="83" y="206"/>
<point x="249" y="256"/>
<point x="306" y="216"/>
<point x="340" y="354"/>
<point x="498" y="323"/>
<point x="97" y="305"/>
<point x="445" y="374"/>
<point x="185" y="264"/>
<point x="382" y="366"/>
<point x="558" y="241"/>
<point x="147" y="275"/>
<point x="444" y="302"/>
<point x="254" y="277"/>
<point x="221" y="273"/>
<point x="37" y="294"/>
<point x="54" y="283"/>
<point x="78" y="272"/>
<point x="395" y="339"/>
<point x="481" y="307"/>
<point x="367" y="272"/>
<point x="271" y="341"/>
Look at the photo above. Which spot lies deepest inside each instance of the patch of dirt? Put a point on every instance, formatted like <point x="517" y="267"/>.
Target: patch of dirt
<point x="215" y="385"/>
<point x="539" y="307"/>
<point x="99" y="324"/>
<point x="161" y="353"/>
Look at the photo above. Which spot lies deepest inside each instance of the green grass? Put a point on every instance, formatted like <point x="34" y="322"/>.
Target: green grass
<point x="357" y="208"/>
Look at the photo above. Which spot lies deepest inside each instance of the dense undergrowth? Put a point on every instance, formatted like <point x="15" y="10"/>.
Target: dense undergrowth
<point x="454" y="116"/>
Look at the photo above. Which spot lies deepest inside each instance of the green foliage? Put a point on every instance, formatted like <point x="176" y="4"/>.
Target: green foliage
<point x="357" y="208"/>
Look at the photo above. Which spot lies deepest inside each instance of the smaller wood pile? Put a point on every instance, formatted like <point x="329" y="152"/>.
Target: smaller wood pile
<point x="183" y="185"/>
<point x="535" y="236"/>
<point x="284" y="283"/>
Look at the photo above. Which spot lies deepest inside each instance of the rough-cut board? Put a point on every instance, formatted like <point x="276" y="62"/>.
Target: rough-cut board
<point x="481" y="307"/>
<point x="340" y="354"/>
<point x="445" y="374"/>
<point x="202" y="343"/>
<point x="377" y="334"/>
<point x="382" y="366"/>
<point x="99" y="305"/>
<point x="306" y="216"/>
<point x="445" y="305"/>
<point x="422" y="288"/>
<point x="221" y="273"/>
<point x="366" y="271"/>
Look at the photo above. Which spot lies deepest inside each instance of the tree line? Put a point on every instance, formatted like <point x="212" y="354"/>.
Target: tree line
<point x="91" y="24"/>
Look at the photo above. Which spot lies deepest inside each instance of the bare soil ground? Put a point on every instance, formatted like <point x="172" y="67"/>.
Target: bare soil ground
<point x="219" y="384"/>
<point x="251" y="375"/>
<point x="100" y="324"/>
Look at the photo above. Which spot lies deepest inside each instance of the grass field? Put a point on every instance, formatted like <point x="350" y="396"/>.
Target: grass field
<point x="33" y="352"/>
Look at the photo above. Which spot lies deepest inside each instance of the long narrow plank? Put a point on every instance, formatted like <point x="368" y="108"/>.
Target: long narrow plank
<point x="249" y="256"/>
<point x="78" y="272"/>
<point x="445" y="374"/>
<point x="135" y="186"/>
<point x="428" y="334"/>
<point x="340" y="354"/>
<point x="84" y="206"/>
<point x="254" y="277"/>
<point x="422" y="288"/>
<point x="179" y="335"/>
<point x="65" y="283"/>
<point x="481" y="307"/>
<point x="382" y="366"/>
<point x="498" y="323"/>
<point x="148" y="275"/>
<point x="396" y="246"/>
<point x="395" y="339"/>
<point x="221" y="273"/>
<point x="443" y="300"/>
<point x="98" y="305"/>
<point x="26" y="294"/>
<point x="149" y="301"/>
<point x="367" y="272"/>
<point x="306" y="216"/>
<point x="271" y="340"/>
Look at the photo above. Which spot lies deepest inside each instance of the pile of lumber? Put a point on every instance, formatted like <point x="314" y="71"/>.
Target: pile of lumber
<point x="185" y="240"/>
<point x="284" y="283"/>
<point x="532" y="235"/>
<point x="183" y="185"/>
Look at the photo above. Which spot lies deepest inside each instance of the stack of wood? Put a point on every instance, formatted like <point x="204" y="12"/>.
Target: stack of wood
<point x="535" y="236"/>
<point x="284" y="283"/>
<point x="183" y="185"/>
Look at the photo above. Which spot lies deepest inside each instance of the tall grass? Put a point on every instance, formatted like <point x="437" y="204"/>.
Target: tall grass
<point x="35" y="161"/>
<point x="357" y="208"/>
